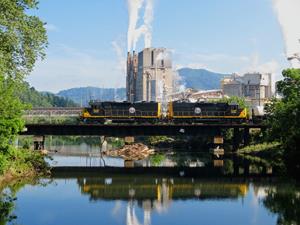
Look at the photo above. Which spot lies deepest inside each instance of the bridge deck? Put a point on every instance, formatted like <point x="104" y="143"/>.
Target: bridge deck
<point x="132" y="129"/>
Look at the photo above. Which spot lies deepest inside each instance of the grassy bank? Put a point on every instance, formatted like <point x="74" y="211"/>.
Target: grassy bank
<point x="21" y="163"/>
<point x="261" y="148"/>
<point x="268" y="154"/>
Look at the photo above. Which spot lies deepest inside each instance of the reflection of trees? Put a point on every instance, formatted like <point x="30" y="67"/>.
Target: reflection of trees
<point x="286" y="203"/>
<point x="6" y="207"/>
<point x="7" y="197"/>
<point x="187" y="159"/>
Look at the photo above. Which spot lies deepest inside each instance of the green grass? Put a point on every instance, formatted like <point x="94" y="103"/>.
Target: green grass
<point x="20" y="162"/>
<point x="258" y="148"/>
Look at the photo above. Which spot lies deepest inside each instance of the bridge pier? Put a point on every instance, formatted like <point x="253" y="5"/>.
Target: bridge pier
<point x="38" y="142"/>
<point x="129" y="140"/>
<point x="246" y="136"/>
<point x="218" y="145"/>
<point x="103" y="144"/>
<point x="236" y="139"/>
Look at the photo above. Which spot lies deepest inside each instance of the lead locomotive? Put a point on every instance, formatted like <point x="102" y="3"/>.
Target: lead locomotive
<point x="152" y="112"/>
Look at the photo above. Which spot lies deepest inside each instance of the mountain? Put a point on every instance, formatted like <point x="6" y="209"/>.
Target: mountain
<point x="35" y="98"/>
<point x="200" y="79"/>
<point x="83" y="95"/>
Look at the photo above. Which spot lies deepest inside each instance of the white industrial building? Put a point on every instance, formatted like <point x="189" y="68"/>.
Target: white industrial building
<point x="149" y="75"/>
<point x="255" y="87"/>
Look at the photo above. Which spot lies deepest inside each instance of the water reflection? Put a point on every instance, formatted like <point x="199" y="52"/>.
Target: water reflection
<point x="6" y="207"/>
<point x="166" y="188"/>
<point x="285" y="202"/>
<point x="147" y="196"/>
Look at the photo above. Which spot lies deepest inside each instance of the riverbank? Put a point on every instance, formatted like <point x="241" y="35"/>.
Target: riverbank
<point x="262" y="149"/>
<point x="20" y="164"/>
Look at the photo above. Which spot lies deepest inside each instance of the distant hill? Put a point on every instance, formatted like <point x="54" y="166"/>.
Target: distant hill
<point x="35" y="98"/>
<point x="200" y="79"/>
<point x="83" y="95"/>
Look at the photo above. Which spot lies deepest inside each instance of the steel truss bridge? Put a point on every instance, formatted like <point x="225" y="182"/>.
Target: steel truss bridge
<point x="53" y="111"/>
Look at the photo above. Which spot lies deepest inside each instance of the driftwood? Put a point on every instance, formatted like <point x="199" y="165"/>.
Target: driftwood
<point x="136" y="151"/>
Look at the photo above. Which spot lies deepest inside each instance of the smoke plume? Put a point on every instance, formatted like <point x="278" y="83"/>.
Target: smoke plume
<point x="148" y="18"/>
<point x="135" y="32"/>
<point x="288" y="16"/>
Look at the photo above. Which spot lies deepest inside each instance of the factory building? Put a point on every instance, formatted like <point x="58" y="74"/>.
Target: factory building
<point x="255" y="87"/>
<point x="132" y="71"/>
<point x="193" y="95"/>
<point x="149" y="75"/>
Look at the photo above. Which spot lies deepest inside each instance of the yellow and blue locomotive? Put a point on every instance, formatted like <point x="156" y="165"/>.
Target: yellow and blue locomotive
<point x="188" y="112"/>
<point x="177" y="112"/>
<point x="121" y="112"/>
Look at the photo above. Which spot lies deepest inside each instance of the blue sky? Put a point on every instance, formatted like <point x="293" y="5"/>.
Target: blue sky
<point x="87" y="39"/>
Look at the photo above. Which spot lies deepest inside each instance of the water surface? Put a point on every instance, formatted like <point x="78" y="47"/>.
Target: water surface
<point x="173" y="188"/>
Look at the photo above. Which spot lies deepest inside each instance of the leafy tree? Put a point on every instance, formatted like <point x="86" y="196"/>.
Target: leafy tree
<point x="29" y="95"/>
<point x="22" y="42"/>
<point x="285" y="202"/>
<point x="284" y="114"/>
<point x="10" y="112"/>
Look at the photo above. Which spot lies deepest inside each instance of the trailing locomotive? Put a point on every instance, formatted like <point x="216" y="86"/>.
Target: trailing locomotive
<point x="205" y="112"/>
<point x="177" y="112"/>
<point x="121" y="112"/>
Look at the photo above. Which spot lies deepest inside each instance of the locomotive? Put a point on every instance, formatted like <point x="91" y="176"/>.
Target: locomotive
<point x="188" y="112"/>
<point x="120" y="112"/>
<point x="152" y="112"/>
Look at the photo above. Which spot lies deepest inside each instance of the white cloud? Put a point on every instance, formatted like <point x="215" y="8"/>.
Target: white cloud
<point x="51" y="27"/>
<point x="74" y="68"/>
<point x="192" y="66"/>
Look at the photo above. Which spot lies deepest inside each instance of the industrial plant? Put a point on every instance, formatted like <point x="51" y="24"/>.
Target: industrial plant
<point x="149" y="75"/>
<point x="254" y="87"/>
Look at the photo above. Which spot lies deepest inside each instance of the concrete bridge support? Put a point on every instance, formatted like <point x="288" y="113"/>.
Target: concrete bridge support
<point x="236" y="139"/>
<point x="129" y="140"/>
<point x="38" y="142"/>
<point x="246" y="136"/>
<point x="103" y="144"/>
<point x="218" y="148"/>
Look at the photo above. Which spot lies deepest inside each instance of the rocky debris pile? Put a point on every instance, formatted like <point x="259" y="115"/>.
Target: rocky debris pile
<point x="134" y="152"/>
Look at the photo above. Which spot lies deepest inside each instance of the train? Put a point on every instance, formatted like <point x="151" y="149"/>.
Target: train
<point x="153" y="112"/>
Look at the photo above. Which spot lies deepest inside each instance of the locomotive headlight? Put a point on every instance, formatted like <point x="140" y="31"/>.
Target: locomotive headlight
<point x="131" y="110"/>
<point x="197" y="110"/>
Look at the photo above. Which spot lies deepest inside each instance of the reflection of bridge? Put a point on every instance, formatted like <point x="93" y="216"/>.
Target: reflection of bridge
<point x="159" y="189"/>
<point x="156" y="194"/>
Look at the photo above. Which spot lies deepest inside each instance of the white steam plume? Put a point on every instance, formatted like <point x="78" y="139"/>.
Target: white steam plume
<point x="133" y="12"/>
<point x="148" y="18"/>
<point x="134" y="32"/>
<point x="288" y="15"/>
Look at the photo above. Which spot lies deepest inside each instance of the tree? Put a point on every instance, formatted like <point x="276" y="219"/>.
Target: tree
<point x="285" y="202"/>
<point x="284" y="114"/>
<point x="22" y="42"/>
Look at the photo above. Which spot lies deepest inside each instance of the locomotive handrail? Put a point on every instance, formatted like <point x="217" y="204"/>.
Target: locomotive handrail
<point x="112" y="113"/>
<point x="205" y="113"/>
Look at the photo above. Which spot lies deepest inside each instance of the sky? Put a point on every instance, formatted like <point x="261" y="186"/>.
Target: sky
<point x="88" y="39"/>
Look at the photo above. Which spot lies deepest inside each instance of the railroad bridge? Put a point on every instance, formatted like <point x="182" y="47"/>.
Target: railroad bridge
<point x="131" y="130"/>
<point x="241" y="131"/>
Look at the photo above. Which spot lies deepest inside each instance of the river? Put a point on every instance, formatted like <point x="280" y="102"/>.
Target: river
<point x="173" y="188"/>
